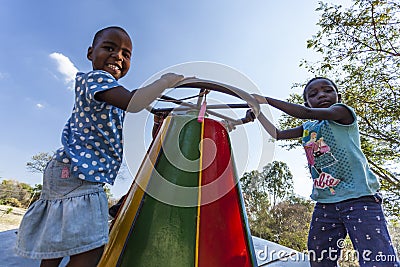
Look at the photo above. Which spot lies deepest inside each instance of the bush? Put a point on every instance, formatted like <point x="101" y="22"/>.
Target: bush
<point x="11" y="201"/>
<point x="15" y="194"/>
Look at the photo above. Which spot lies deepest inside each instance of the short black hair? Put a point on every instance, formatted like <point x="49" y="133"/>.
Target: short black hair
<point x="317" y="78"/>
<point x="100" y="33"/>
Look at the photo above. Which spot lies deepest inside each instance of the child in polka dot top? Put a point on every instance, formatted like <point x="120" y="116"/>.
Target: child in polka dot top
<point x="71" y="216"/>
<point x="344" y="187"/>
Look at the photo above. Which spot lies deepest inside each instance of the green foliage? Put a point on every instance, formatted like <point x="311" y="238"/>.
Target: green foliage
<point x="274" y="183"/>
<point x="287" y="122"/>
<point x="254" y="194"/>
<point x="394" y="229"/>
<point x="16" y="194"/>
<point x="278" y="181"/>
<point x="360" y="49"/>
<point x="289" y="222"/>
<point x="273" y="211"/>
<point x="107" y="190"/>
<point x="11" y="201"/>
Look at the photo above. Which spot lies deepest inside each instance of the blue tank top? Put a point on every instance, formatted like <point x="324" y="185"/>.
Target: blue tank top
<point x="338" y="167"/>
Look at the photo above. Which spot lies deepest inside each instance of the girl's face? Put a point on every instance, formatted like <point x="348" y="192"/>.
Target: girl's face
<point x="112" y="53"/>
<point x="321" y="94"/>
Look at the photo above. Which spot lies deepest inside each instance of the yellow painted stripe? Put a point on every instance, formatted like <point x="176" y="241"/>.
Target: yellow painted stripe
<point x="196" y="264"/>
<point x="122" y="225"/>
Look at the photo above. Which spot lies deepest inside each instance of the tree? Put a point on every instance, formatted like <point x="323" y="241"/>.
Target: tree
<point x="360" y="48"/>
<point x="39" y="162"/>
<point x="275" y="182"/>
<point x="274" y="213"/>
<point x="289" y="222"/>
<point x="256" y="202"/>
<point x="37" y="165"/>
<point x="254" y="194"/>
<point x="278" y="181"/>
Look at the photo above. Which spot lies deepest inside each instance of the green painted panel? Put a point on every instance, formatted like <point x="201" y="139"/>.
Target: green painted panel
<point x="165" y="234"/>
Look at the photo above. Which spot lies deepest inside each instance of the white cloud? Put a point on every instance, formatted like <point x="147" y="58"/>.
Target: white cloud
<point x="39" y="106"/>
<point x="3" y="75"/>
<point x="66" y="68"/>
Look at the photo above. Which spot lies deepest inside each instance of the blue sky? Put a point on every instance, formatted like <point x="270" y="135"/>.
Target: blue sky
<point x="45" y="42"/>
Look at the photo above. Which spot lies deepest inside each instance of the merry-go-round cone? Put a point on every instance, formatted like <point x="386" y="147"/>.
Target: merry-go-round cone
<point x="185" y="206"/>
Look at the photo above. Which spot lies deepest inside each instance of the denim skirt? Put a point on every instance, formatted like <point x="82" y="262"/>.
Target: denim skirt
<point x="69" y="218"/>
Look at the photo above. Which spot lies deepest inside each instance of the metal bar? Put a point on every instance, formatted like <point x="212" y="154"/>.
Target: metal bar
<point x="218" y="106"/>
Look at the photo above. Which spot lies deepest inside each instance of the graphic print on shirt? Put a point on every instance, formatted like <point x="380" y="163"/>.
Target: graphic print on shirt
<point x="319" y="156"/>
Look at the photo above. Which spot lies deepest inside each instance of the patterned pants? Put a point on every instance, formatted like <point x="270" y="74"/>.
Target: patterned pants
<point x="363" y="220"/>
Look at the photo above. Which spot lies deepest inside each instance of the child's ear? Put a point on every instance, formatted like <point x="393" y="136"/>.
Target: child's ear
<point x="89" y="53"/>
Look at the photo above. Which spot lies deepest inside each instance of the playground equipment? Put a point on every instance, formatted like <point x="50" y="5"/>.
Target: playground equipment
<point x="185" y="207"/>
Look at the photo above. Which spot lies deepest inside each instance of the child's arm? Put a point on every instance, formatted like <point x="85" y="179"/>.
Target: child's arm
<point x="138" y="99"/>
<point x="158" y="121"/>
<point x="280" y="134"/>
<point x="339" y="114"/>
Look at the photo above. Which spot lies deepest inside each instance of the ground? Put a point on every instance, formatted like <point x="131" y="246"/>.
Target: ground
<point x="10" y="217"/>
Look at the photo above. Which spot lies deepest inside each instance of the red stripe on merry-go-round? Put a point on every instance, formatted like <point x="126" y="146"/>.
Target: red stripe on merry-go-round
<point x="223" y="239"/>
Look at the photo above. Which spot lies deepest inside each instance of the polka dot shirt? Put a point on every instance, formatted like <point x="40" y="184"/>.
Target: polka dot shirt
<point x="92" y="137"/>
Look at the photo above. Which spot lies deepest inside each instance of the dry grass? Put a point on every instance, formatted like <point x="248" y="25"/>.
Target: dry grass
<point x="10" y="217"/>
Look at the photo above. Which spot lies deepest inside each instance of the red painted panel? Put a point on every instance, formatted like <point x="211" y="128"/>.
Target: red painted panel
<point x="222" y="237"/>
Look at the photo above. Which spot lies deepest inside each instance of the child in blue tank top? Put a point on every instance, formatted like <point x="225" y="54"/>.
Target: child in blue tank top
<point x="344" y="187"/>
